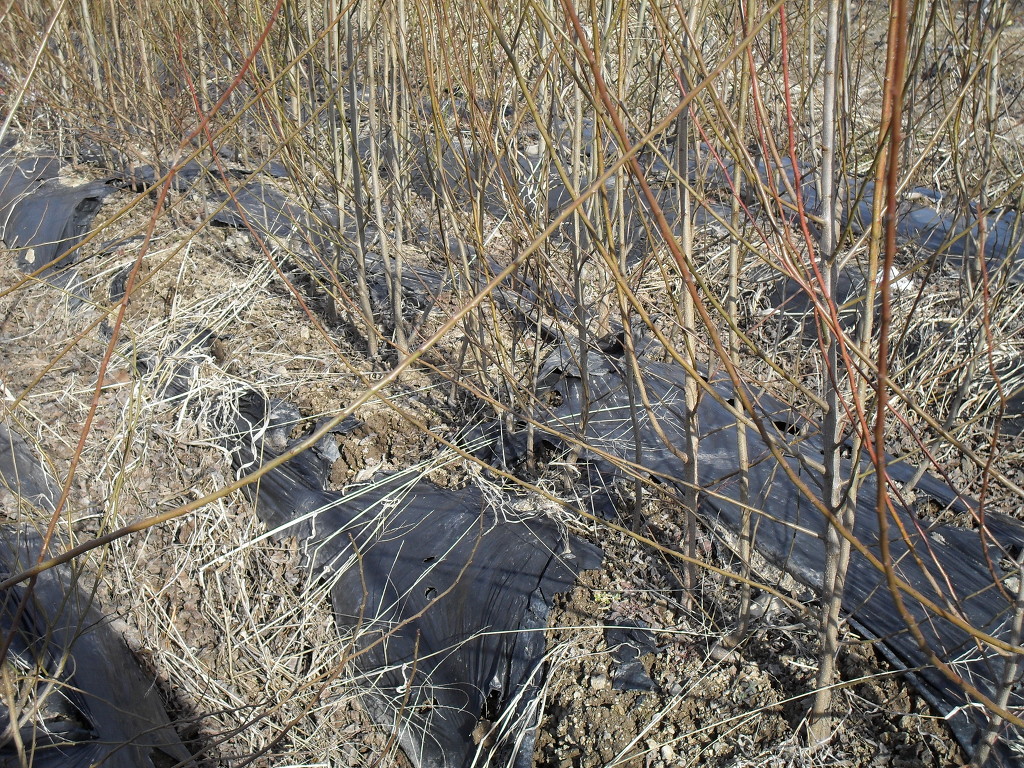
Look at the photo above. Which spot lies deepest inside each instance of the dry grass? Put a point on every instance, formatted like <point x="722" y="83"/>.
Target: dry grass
<point x="238" y="634"/>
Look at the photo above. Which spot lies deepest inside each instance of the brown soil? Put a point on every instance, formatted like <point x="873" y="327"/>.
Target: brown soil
<point x="242" y="641"/>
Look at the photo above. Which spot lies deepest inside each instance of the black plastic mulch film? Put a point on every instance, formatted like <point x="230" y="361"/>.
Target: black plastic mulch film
<point x="447" y="592"/>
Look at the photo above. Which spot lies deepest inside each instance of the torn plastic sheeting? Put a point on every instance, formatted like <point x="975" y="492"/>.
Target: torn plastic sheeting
<point x="533" y="305"/>
<point x="660" y="165"/>
<point x="791" y="534"/>
<point x="920" y="224"/>
<point x="446" y="591"/>
<point x="469" y="172"/>
<point x="518" y="293"/>
<point x="795" y="307"/>
<point x="22" y="475"/>
<point x="465" y="173"/>
<point x="41" y="219"/>
<point x="269" y="214"/>
<point x="28" y="170"/>
<point x="265" y="212"/>
<point x="954" y="237"/>
<point x="628" y="640"/>
<point x="261" y="207"/>
<point x="233" y="157"/>
<point x="94" y="705"/>
<point x="139" y="178"/>
<point x="640" y="224"/>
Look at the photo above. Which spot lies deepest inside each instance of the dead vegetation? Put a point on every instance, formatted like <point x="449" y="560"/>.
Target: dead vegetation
<point x="414" y="153"/>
